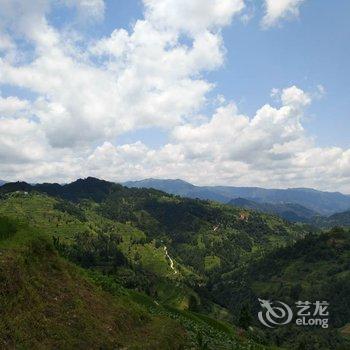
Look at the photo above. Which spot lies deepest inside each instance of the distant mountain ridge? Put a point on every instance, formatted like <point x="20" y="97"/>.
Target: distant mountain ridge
<point x="322" y="209"/>
<point x="324" y="203"/>
<point x="2" y="182"/>
<point x="289" y="211"/>
<point x="180" y="188"/>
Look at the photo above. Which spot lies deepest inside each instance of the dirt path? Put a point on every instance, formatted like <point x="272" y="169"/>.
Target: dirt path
<point x="170" y="259"/>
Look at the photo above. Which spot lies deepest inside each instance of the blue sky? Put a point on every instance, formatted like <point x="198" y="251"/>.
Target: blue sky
<point x="309" y="51"/>
<point x="254" y="92"/>
<point x="312" y="50"/>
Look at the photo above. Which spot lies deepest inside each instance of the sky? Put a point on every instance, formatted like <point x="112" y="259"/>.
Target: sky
<point x="229" y="92"/>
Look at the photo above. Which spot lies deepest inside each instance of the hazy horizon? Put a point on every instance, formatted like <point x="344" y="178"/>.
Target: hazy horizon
<point x="176" y="179"/>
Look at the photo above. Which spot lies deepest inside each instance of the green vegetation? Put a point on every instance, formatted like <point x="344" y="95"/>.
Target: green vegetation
<point x="197" y="266"/>
<point x="46" y="303"/>
<point x="339" y="219"/>
<point x="289" y="211"/>
<point x="7" y="228"/>
<point x="315" y="268"/>
<point x="67" y="207"/>
<point x="124" y="288"/>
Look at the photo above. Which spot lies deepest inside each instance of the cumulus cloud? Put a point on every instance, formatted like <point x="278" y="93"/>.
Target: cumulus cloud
<point x="192" y="17"/>
<point x="230" y="136"/>
<point x="12" y="106"/>
<point x="20" y="142"/>
<point x="271" y="147"/>
<point x="276" y="11"/>
<point x="145" y="77"/>
<point x="84" y="95"/>
<point x="295" y="97"/>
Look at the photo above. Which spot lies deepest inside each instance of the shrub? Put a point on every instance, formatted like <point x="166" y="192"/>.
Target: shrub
<point x="7" y="228"/>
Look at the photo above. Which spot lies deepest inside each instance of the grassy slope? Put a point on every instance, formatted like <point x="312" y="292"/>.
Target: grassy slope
<point x="45" y="221"/>
<point x="202" y="254"/>
<point x="203" y="251"/>
<point x="47" y="302"/>
<point x="37" y="210"/>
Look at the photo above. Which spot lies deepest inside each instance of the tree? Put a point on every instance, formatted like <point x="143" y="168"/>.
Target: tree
<point x="245" y="317"/>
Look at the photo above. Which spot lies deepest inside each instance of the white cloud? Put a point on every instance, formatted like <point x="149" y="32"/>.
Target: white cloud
<point x="24" y="17"/>
<point x="270" y="149"/>
<point x="5" y="42"/>
<point x="12" y="105"/>
<point x="192" y="17"/>
<point x="87" y="94"/>
<point x="147" y="77"/>
<point x="94" y="9"/>
<point x="20" y="142"/>
<point x="278" y="10"/>
<point x="230" y="136"/>
<point x="295" y="97"/>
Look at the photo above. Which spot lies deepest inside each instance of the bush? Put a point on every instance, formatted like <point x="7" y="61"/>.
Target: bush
<point x="7" y="228"/>
<point x="70" y="209"/>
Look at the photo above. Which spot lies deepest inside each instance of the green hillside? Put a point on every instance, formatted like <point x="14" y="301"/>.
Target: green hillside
<point x="47" y="303"/>
<point x="129" y="266"/>
<point x="315" y="268"/>
<point x="200" y="264"/>
<point x="203" y="239"/>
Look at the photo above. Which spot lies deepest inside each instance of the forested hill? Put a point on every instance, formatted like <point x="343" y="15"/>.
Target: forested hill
<point x="179" y="253"/>
<point x="181" y="220"/>
<point x="89" y="188"/>
<point x="143" y="257"/>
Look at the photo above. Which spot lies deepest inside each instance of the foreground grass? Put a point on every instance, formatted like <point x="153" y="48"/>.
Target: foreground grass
<point x="46" y="303"/>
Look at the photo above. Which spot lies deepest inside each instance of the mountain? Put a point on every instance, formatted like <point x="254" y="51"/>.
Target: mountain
<point x="162" y="216"/>
<point x="288" y="211"/>
<point x="180" y="188"/>
<point x="324" y="203"/>
<point x="101" y="241"/>
<point x="2" y="182"/>
<point x="168" y="267"/>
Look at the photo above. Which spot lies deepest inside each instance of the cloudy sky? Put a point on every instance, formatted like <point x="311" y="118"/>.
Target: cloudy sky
<point x="234" y="92"/>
